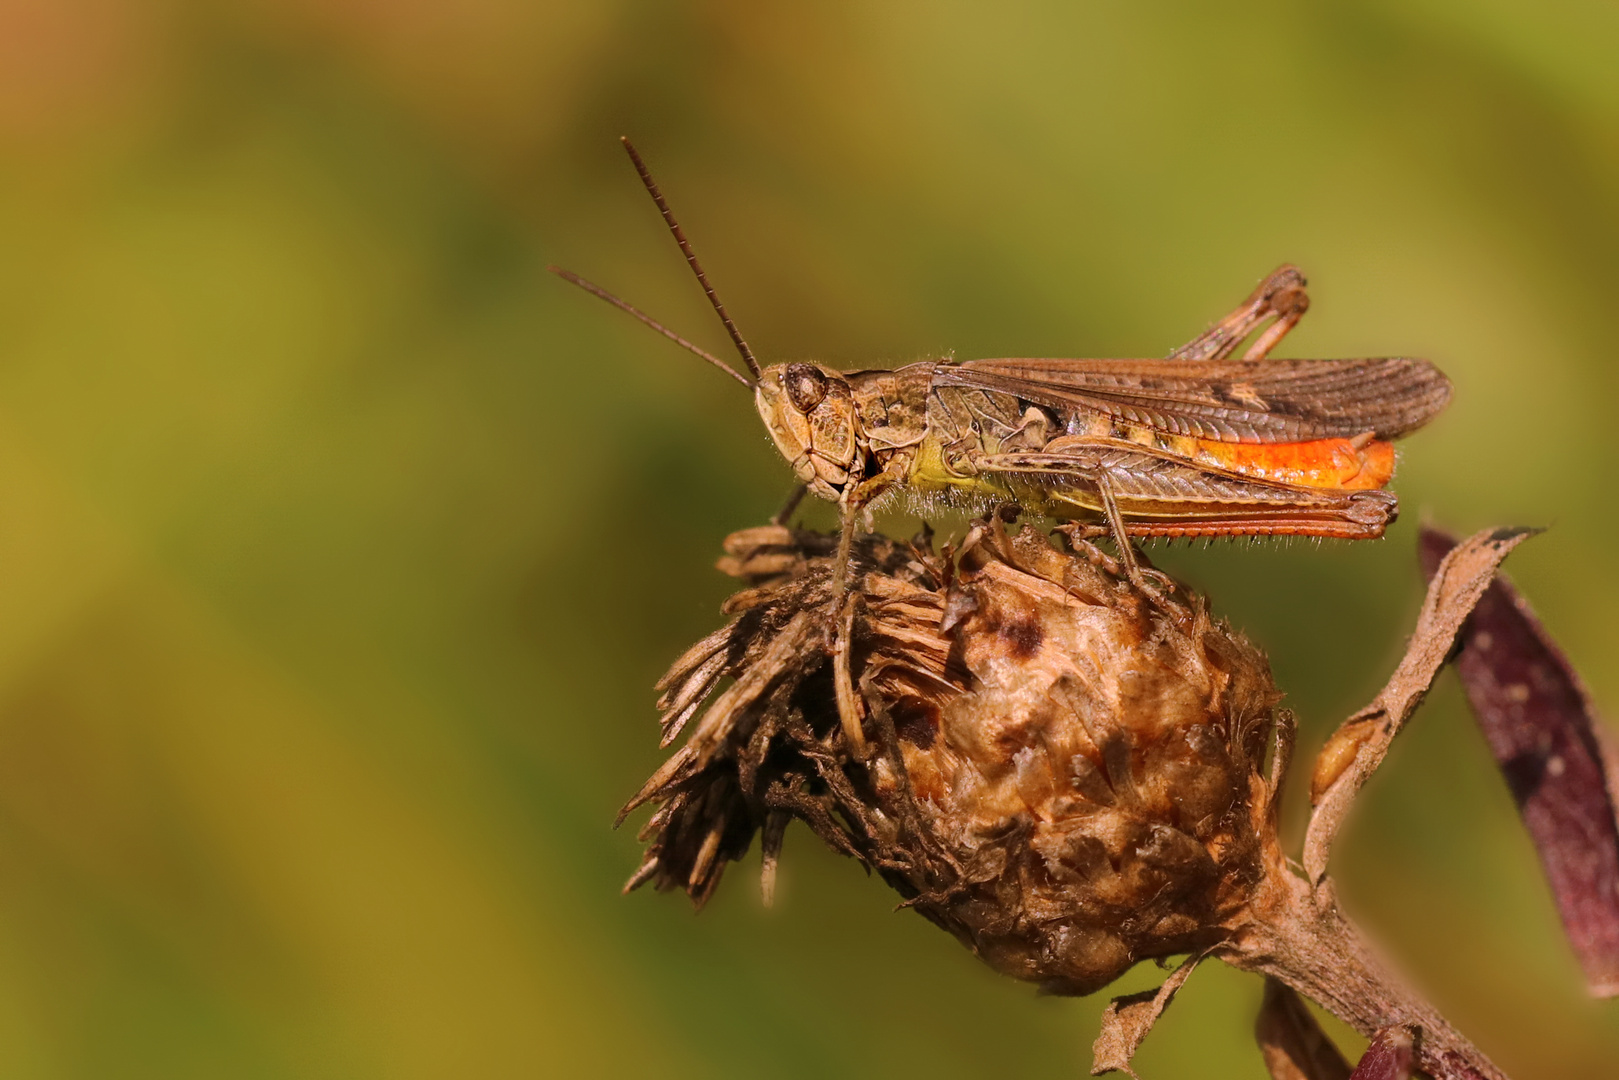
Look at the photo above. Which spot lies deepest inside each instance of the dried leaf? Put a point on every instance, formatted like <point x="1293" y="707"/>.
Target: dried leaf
<point x="1544" y="733"/>
<point x="1456" y="587"/>
<point x="1128" y="1019"/>
<point x="770" y="839"/>
<point x="1290" y="1040"/>
<point x="1389" y="1057"/>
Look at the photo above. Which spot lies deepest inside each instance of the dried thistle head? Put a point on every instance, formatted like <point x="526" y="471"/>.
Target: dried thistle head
<point x="1061" y="769"/>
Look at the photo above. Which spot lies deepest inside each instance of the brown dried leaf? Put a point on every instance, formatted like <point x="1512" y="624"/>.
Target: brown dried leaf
<point x="1290" y="1040"/>
<point x="1389" y="1057"/>
<point x="1456" y="587"/>
<point x="1128" y="1019"/>
<point x="1545" y="735"/>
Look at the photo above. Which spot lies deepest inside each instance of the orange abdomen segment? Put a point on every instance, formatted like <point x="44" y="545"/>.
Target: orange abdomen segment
<point x="1322" y="463"/>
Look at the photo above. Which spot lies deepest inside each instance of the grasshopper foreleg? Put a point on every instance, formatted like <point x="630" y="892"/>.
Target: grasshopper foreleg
<point x="851" y="507"/>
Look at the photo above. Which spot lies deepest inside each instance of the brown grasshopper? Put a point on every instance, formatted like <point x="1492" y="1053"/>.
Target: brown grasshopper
<point x="1197" y="444"/>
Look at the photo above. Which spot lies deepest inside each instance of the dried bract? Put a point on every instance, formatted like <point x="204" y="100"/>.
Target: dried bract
<point x="1064" y="771"/>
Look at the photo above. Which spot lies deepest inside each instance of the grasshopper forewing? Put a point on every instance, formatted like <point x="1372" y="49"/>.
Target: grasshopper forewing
<point x="1198" y="444"/>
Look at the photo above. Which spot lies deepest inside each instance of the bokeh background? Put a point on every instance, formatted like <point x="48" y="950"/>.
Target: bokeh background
<point x="340" y="544"/>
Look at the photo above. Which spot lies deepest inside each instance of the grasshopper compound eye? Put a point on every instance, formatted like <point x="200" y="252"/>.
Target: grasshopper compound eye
<point x="805" y="384"/>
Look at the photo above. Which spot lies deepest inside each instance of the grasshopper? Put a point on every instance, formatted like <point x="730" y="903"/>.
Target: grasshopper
<point x="1197" y="444"/>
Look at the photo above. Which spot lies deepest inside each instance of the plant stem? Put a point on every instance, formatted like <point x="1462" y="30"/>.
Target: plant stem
<point x="1297" y="935"/>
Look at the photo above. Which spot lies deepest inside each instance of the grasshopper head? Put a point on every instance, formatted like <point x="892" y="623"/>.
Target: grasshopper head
<point x="810" y="413"/>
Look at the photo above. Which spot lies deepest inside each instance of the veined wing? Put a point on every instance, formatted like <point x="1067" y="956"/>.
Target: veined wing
<point x="1229" y="400"/>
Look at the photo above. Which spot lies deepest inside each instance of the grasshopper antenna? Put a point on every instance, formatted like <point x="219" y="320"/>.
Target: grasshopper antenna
<point x="691" y="259"/>
<point x="597" y="290"/>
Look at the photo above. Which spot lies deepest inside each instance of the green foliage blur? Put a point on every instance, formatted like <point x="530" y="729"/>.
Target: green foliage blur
<point x="340" y="544"/>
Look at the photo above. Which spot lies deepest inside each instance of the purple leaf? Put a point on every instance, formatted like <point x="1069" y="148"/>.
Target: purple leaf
<point x="1545" y="736"/>
<point x="1291" y="1042"/>
<point x="1387" y="1058"/>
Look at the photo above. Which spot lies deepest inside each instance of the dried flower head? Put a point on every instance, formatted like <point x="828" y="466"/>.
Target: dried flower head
<point x="1063" y="765"/>
<point x="1061" y="769"/>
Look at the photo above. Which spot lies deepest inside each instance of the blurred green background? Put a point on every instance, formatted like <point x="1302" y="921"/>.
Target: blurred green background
<point x="340" y="544"/>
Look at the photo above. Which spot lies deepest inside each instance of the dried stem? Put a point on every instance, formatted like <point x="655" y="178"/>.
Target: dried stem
<point x="1297" y="934"/>
<point x="1299" y="937"/>
<point x="1358" y="747"/>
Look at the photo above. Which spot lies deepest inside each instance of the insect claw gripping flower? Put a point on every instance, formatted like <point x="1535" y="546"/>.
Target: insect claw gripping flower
<point x="1064" y="771"/>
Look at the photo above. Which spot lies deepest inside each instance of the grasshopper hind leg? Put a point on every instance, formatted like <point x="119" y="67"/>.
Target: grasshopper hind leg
<point x="1281" y="296"/>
